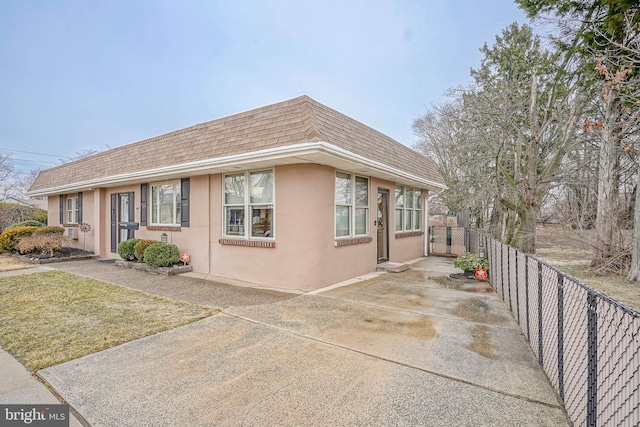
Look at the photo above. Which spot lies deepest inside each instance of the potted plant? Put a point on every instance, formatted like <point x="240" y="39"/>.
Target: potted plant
<point x="471" y="264"/>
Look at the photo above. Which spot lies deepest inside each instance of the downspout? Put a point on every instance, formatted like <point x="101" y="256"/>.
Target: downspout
<point x="426" y="224"/>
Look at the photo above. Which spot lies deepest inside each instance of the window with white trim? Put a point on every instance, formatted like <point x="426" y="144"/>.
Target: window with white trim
<point x="352" y="205"/>
<point x="249" y="206"/>
<point x="71" y="210"/>
<point x="165" y="203"/>
<point x="408" y="209"/>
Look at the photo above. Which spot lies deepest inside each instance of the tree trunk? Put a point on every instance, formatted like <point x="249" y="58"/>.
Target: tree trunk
<point x="634" y="271"/>
<point x="525" y="236"/>
<point x="608" y="238"/>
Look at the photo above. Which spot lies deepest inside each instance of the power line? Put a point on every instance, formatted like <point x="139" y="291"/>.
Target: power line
<point x="33" y="161"/>
<point x="32" y="152"/>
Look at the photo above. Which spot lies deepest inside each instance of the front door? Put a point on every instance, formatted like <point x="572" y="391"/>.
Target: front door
<point x="124" y="209"/>
<point x="381" y="225"/>
<point x="122" y="212"/>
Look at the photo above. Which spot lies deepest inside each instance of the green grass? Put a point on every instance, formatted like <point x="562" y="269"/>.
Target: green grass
<point x="50" y="318"/>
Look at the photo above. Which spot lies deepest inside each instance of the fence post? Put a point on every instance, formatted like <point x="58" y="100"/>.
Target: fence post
<point x="560" y="336"/>
<point x="517" y="289"/>
<point x="592" y="375"/>
<point x="448" y="249"/>
<point x="526" y="294"/>
<point x="502" y="269"/>
<point x="467" y="244"/>
<point x="540" y="351"/>
<point x="509" y="277"/>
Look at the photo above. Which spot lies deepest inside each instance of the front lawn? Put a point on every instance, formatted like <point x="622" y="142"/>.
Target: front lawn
<point x="52" y="317"/>
<point x="9" y="263"/>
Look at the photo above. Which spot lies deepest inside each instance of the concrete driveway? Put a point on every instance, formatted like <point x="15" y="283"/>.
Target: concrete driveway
<point x="406" y="349"/>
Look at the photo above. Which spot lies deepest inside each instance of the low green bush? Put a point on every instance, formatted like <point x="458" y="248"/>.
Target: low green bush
<point x="126" y="249"/>
<point x="49" y="229"/>
<point x="139" y="248"/>
<point x="9" y="238"/>
<point x="27" y="223"/>
<point x="161" y="255"/>
<point x="469" y="261"/>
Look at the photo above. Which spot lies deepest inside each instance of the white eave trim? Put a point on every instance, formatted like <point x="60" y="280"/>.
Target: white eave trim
<point x="192" y="168"/>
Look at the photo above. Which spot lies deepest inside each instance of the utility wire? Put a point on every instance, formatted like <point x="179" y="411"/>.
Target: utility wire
<point x="32" y="152"/>
<point x="33" y="161"/>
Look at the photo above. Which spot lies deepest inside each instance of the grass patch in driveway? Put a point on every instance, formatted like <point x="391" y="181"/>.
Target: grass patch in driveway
<point x="52" y="317"/>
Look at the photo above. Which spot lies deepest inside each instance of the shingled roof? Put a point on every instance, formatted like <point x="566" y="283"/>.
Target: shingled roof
<point x="279" y="126"/>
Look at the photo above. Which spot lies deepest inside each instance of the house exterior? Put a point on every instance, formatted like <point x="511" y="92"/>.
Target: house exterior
<point x="292" y="195"/>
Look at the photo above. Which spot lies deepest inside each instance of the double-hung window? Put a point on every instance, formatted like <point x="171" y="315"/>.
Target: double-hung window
<point x="352" y="205"/>
<point x="249" y="205"/>
<point x="165" y="203"/>
<point x="408" y="209"/>
<point x="72" y="210"/>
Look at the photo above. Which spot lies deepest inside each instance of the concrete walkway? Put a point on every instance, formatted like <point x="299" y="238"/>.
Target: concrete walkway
<point x="18" y="386"/>
<point x="413" y="348"/>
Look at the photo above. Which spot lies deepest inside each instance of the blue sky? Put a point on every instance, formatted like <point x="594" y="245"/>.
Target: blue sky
<point x="79" y="75"/>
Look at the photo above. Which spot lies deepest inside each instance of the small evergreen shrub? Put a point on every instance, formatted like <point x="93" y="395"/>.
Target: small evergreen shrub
<point x="39" y="215"/>
<point x="43" y="243"/>
<point x="126" y="251"/>
<point x="139" y="248"/>
<point x="27" y="223"/>
<point x="49" y="229"/>
<point x="161" y="255"/>
<point x="469" y="261"/>
<point x="10" y="237"/>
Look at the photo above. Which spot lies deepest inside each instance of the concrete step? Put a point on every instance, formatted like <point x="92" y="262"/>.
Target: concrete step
<point x="393" y="267"/>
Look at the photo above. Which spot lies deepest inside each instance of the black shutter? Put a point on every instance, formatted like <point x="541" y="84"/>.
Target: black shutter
<point x="62" y="209"/>
<point x="114" y="224"/>
<point x="79" y="215"/>
<point x="144" y="193"/>
<point x="184" y="202"/>
<point x="132" y="214"/>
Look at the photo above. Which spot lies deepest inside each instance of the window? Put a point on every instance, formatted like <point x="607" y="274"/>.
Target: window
<point x="408" y="209"/>
<point x="352" y="205"/>
<point x="165" y="203"/>
<point x="72" y="210"/>
<point x="249" y="204"/>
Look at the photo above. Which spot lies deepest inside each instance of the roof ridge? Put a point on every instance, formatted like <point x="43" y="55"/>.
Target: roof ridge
<point x="308" y="118"/>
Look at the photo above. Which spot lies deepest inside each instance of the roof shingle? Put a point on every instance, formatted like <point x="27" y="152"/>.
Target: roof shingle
<point x="297" y="120"/>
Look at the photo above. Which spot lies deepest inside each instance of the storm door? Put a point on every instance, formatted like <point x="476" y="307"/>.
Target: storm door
<point x="382" y="227"/>
<point x="125" y="215"/>
<point x="122" y="218"/>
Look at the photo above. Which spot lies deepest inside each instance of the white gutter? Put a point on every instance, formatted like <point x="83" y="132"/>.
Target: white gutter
<point x="185" y="169"/>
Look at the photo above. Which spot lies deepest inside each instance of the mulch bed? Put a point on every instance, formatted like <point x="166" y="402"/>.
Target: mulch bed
<point x="66" y="254"/>
<point x="463" y="277"/>
<point x="165" y="271"/>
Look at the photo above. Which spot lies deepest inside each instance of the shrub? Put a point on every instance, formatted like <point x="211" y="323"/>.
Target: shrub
<point x="139" y="248"/>
<point x="10" y="237"/>
<point x="27" y="223"/>
<point x="469" y="261"/>
<point x="161" y="255"/>
<point x="11" y="213"/>
<point x="43" y="243"/>
<point x="126" y="251"/>
<point x="39" y="215"/>
<point x="49" y="229"/>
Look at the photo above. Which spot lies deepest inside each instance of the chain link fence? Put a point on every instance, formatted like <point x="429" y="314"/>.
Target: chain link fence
<point x="587" y="343"/>
<point x="447" y="240"/>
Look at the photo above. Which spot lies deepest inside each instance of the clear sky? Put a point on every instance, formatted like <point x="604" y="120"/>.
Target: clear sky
<point x="80" y="75"/>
